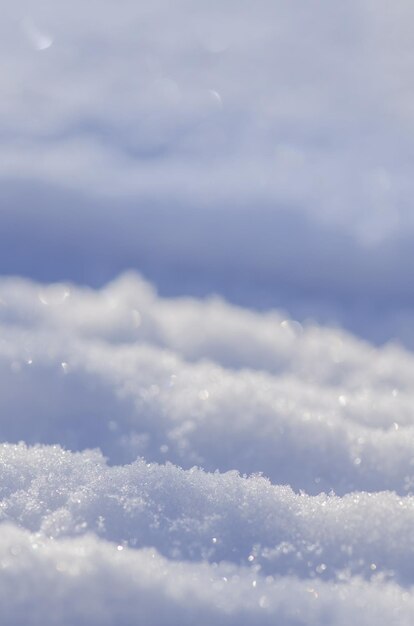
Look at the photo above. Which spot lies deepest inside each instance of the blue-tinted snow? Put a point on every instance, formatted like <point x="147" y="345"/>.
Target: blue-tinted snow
<point x="263" y="153"/>
<point x="184" y="460"/>
<point x="263" y="468"/>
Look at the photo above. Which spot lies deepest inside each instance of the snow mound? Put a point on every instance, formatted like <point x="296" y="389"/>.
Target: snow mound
<point x="194" y="515"/>
<point x="134" y="374"/>
<point x="86" y="581"/>
<point x="183" y="460"/>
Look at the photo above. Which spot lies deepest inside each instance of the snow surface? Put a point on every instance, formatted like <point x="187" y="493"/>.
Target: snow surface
<point x="183" y="461"/>
<point x="259" y="150"/>
<point x="206" y="313"/>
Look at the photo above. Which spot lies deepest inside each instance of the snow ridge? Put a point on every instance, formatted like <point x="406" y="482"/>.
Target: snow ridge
<point x="260" y="466"/>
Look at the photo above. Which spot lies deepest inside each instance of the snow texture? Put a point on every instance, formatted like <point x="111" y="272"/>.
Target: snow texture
<point x="206" y="313"/>
<point x="187" y="461"/>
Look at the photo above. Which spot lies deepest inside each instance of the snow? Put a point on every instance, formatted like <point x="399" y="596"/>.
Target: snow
<point x="167" y="470"/>
<point x="84" y="582"/>
<point x="318" y="410"/>
<point x="206" y="313"/>
<point x="194" y="515"/>
<point x="263" y="153"/>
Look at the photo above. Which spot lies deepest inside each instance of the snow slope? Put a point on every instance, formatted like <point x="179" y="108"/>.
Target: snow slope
<point x="195" y="461"/>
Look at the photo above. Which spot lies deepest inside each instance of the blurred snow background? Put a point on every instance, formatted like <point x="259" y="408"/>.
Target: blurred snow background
<point x="263" y="152"/>
<point x="206" y="275"/>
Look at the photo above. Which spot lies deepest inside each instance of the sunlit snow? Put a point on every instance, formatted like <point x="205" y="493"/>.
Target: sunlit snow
<point x="254" y="469"/>
<point x="206" y="313"/>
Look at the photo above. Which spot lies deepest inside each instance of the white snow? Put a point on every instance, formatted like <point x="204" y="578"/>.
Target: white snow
<point x="253" y="473"/>
<point x="91" y="582"/>
<point x="260" y="151"/>
<point x="206" y="313"/>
